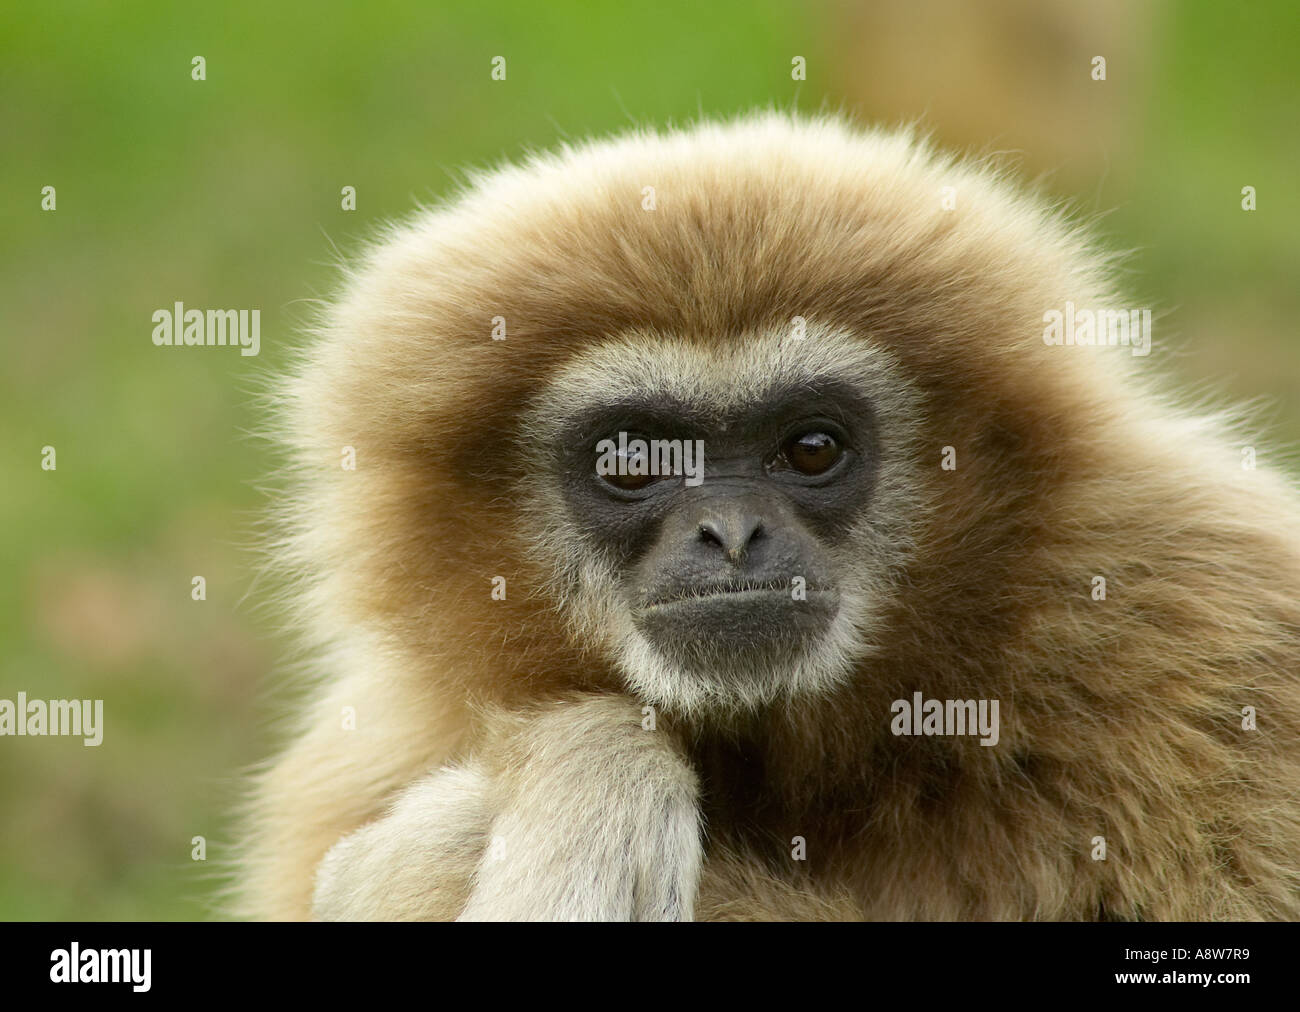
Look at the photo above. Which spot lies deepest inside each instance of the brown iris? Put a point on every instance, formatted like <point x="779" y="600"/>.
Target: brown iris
<point x="811" y="452"/>
<point x="630" y="482"/>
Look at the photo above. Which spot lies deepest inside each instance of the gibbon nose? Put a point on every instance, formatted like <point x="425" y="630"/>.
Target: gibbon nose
<point x="731" y="530"/>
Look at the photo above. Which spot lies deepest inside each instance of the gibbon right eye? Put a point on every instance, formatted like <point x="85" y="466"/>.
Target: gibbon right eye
<point x="629" y="482"/>
<point x="625" y="464"/>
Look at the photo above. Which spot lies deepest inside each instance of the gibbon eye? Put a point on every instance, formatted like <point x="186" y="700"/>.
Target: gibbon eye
<point x="811" y="453"/>
<point x="628" y="467"/>
<point x="630" y="482"/>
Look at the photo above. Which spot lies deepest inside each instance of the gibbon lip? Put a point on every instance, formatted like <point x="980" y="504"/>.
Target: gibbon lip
<point x="733" y="593"/>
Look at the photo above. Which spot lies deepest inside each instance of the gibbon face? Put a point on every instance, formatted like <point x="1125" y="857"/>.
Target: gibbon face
<point x="759" y="576"/>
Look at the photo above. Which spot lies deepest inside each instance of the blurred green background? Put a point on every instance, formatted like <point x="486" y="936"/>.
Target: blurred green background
<point x="226" y="193"/>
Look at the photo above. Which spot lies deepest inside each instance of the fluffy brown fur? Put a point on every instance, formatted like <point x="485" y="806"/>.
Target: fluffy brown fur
<point x="1120" y="718"/>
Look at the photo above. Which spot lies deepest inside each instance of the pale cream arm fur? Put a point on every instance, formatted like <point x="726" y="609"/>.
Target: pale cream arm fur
<point x="573" y="812"/>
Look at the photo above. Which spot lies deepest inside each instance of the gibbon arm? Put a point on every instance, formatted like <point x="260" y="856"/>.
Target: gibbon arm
<point x="572" y="812"/>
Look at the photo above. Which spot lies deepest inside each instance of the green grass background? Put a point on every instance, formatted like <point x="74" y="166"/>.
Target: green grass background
<point x="226" y="193"/>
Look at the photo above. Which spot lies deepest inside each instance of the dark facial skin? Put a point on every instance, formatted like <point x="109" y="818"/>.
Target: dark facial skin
<point x="710" y="568"/>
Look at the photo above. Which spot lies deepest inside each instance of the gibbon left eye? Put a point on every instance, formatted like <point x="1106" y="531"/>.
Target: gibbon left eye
<point x="811" y="453"/>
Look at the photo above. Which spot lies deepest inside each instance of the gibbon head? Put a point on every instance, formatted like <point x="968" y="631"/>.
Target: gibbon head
<point x="823" y="311"/>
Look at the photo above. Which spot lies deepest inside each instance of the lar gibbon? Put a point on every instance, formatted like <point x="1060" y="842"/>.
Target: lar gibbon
<point x="552" y="689"/>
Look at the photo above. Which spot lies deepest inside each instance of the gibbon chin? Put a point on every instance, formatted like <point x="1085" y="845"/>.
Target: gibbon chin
<point x="771" y="520"/>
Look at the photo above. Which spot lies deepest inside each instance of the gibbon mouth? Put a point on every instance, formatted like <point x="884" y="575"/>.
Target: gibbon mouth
<point x="738" y="595"/>
<point x="738" y="621"/>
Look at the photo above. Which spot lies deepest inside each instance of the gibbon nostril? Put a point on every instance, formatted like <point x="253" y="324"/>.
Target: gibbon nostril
<point x="710" y="533"/>
<point x="733" y="534"/>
